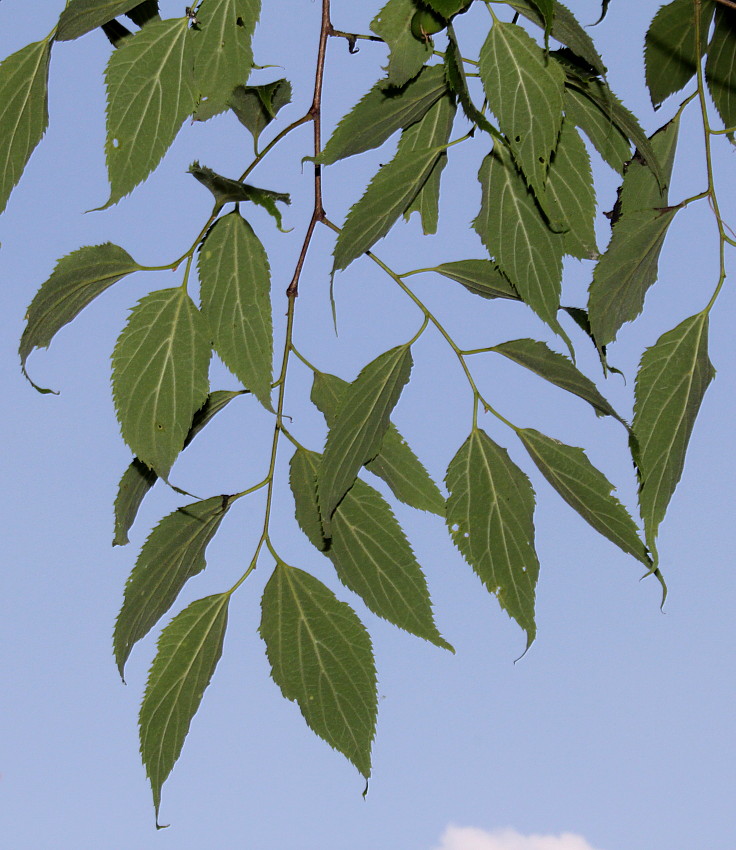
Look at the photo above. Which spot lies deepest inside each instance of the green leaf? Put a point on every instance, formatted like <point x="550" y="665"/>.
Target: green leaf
<point x="490" y="517"/>
<point x="407" y="54"/>
<point x="670" y="53"/>
<point x="223" y="55"/>
<point x="720" y="67"/>
<point x="431" y="132"/>
<point x="481" y="277"/>
<point x="585" y="489"/>
<point x="361" y="425"/>
<point x="458" y="84"/>
<point x="143" y="13"/>
<point x="389" y="194"/>
<point x="395" y="463"/>
<point x="172" y="554"/>
<point x="256" y="106"/>
<point x="82" y="16"/>
<point x="524" y="90"/>
<point x="558" y="370"/>
<point x="599" y="127"/>
<point x="159" y="376"/>
<point x="673" y="377"/>
<point x="188" y="651"/>
<point x="24" y="113"/>
<point x="76" y="281"/>
<point x="511" y="226"/>
<point x="321" y="658"/>
<point x="374" y="559"/>
<point x="570" y="191"/>
<point x="380" y="113"/>
<point x="150" y="91"/>
<point x="303" y="471"/>
<point x="448" y="8"/>
<point x="236" y="301"/>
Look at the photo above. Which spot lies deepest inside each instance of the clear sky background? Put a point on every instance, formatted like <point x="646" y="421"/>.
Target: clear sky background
<point x="614" y="732"/>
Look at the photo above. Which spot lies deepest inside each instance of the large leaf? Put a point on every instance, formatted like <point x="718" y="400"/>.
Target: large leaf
<point x="150" y="91"/>
<point x="524" y="90"/>
<point x="236" y="301"/>
<point x="557" y="369"/>
<point x="395" y="462"/>
<point x="586" y="489"/>
<point x="672" y="379"/>
<point x="321" y="658"/>
<point x="613" y="145"/>
<point x="159" y="376"/>
<point x="82" y="16"/>
<point x="361" y="425"/>
<point x="490" y="517"/>
<point x="24" y="113"/>
<point x="380" y="113"/>
<point x="481" y="277"/>
<point x="670" y="53"/>
<point x="389" y="194"/>
<point x="188" y="651"/>
<point x="76" y="281"/>
<point x="172" y="554"/>
<point x="406" y="53"/>
<point x="720" y="67"/>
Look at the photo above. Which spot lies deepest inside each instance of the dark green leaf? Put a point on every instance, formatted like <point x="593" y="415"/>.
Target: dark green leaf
<point x="172" y="554"/>
<point x="144" y="13"/>
<point x="361" y="425"/>
<point x="720" y="67"/>
<point x="159" y="377"/>
<point x="256" y="106"/>
<point x="458" y="84"/>
<point x="599" y="127"/>
<point x="407" y="54"/>
<point x="303" y="471"/>
<point x="188" y="651"/>
<point x="83" y="16"/>
<point x="490" y="517"/>
<point x="321" y="657"/>
<point x="448" y="8"/>
<point x="236" y="301"/>
<point x="673" y="377"/>
<point x="24" y="113"/>
<point x="585" y="489"/>
<point x="481" y="277"/>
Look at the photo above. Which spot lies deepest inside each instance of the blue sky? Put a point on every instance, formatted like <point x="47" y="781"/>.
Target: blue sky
<point x="614" y="732"/>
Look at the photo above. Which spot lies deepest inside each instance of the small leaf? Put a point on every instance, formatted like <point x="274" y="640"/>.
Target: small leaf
<point x="585" y="489"/>
<point x="490" y="517"/>
<point x="321" y="658"/>
<point x="303" y="470"/>
<point x="172" y="554"/>
<point x="380" y="113"/>
<point x="599" y="127"/>
<point x="82" y="16"/>
<point x="159" y="377"/>
<point x="256" y="106"/>
<point x="144" y="12"/>
<point x="188" y="651"/>
<point x="150" y="91"/>
<point x="481" y="277"/>
<point x="389" y="194"/>
<point x="558" y="370"/>
<point x="407" y="54"/>
<point x="673" y="377"/>
<point x="361" y="425"/>
<point x="720" y="68"/>
<point x="458" y="83"/>
<point x="24" y="113"/>
<point x="75" y="282"/>
<point x="236" y="301"/>
<point x="670" y="53"/>
<point x="448" y="8"/>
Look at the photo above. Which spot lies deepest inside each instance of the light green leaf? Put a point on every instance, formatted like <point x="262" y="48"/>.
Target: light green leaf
<point x="599" y="127"/>
<point x="256" y="106"/>
<point x="24" y="113"/>
<point x="236" y="301"/>
<point x="82" y="16"/>
<point x="481" y="277"/>
<point x="524" y="90"/>
<point x="585" y="489"/>
<point x="362" y="421"/>
<point x="720" y="67"/>
<point x="188" y="651"/>
<point x="407" y="54"/>
<point x="76" y="281"/>
<point x="223" y="55"/>
<point x="395" y="463"/>
<point x="389" y="194"/>
<point x="670" y="52"/>
<point x="150" y="91"/>
<point x="490" y="517"/>
<point x="380" y="113"/>
<point x="558" y="370"/>
<point x="159" y="376"/>
<point x="673" y="377"/>
<point x="321" y="658"/>
<point x="172" y="554"/>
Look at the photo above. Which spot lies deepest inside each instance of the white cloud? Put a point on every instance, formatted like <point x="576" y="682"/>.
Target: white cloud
<point x="469" y="838"/>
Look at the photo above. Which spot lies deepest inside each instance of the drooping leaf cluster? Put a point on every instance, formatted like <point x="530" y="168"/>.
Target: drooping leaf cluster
<point x="526" y="112"/>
